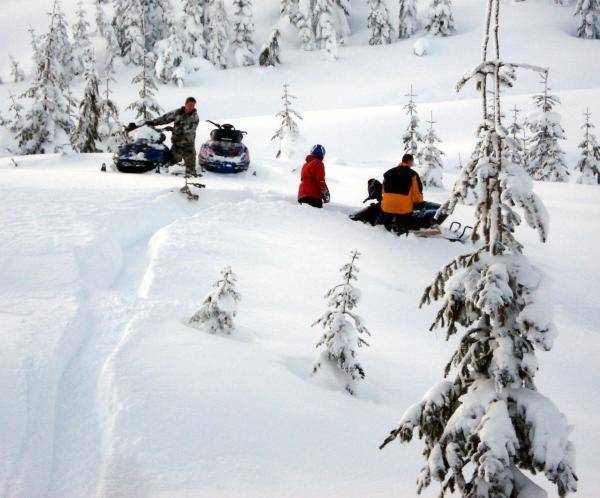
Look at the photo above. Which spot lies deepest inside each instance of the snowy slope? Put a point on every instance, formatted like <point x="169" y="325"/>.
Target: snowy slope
<point x="108" y="393"/>
<point x="112" y="395"/>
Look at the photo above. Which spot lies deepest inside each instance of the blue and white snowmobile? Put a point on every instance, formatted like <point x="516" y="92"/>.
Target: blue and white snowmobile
<point x="146" y="152"/>
<point x="224" y="152"/>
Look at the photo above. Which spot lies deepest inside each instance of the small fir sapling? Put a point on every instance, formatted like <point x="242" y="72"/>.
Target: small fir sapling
<point x="589" y="162"/>
<point x="343" y="329"/>
<point x="288" y="132"/>
<point x="545" y="156"/>
<point x="430" y="159"/>
<point x="412" y="138"/>
<point x="219" y="307"/>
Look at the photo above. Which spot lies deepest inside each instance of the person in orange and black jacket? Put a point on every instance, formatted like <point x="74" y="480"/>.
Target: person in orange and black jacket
<point x="313" y="189"/>
<point x="402" y="198"/>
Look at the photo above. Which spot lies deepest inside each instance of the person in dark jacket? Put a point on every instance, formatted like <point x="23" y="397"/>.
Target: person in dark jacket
<point x="313" y="189"/>
<point x="183" y="139"/>
<point x="402" y="198"/>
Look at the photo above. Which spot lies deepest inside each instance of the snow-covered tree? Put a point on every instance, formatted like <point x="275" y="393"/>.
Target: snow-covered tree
<point x="129" y="16"/>
<point x="46" y="124"/>
<point x="546" y="161"/>
<point x="269" y="52"/>
<point x="86" y="137"/>
<point x="16" y="73"/>
<point x="146" y="106"/>
<point x="341" y="10"/>
<point x="288" y="131"/>
<point x="589" y="162"/>
<point x="61" y="42"/>
<point x="100" y="18"/>
<point x="193" y="20"/>
<point x="219" y="307"/>
<point x="408" y="20"/>
<point x="324" y="29"/>
<point x="515" y="131"/>
<point x="110" y="129"/>
<point x="14" y="123"/>
<point x="35" y="42"/>
<point x="378" y="22"/>
<point x="288" y="9"/>
<point x="82" y="47"/>
<point x="170" y="58"/>
<point x="243" y="32"/>
<point x="440" y="21"/>
<point x="487" y="425"/>
<point x="589" y="19"/>
<point x="430" y="159"/>
<point x="343" y="328"/>
<point x="216" y="32"/>
<point x="304" y="24"/>
<point x="412" y="138"/>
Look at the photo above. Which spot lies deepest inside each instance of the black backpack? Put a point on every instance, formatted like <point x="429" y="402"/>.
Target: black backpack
<point x="375" y="190"/>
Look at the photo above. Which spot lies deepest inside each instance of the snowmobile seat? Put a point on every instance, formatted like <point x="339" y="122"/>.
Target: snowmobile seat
<point x="227" y="133"/>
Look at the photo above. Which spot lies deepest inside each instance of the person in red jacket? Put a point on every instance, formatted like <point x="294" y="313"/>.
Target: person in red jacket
<point x="313" y="189"/>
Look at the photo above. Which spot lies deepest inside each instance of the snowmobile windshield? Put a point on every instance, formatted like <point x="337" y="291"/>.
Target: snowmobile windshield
<point x="148" y="134"/>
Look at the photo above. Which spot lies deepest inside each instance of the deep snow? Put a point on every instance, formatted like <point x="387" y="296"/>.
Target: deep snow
<point x="107" y="392"/>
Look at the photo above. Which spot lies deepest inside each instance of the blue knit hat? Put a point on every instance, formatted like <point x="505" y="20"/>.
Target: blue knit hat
<point x="318" y="151"/>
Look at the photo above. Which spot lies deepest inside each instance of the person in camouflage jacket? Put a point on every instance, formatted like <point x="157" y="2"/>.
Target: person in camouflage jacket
<point x="183" y="139"/>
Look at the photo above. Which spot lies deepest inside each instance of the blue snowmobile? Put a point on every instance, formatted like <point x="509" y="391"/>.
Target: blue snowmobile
<point x="224" y="152"/>
<point x="146" y="152"/>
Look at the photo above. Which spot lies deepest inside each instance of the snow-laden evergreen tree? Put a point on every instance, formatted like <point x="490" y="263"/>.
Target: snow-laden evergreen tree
<point x="408" y="20"/>
<point x="487" y="425"/>
<point x="440" y="21"/>
<point x="46" y="125"/>
<point x="216" y="32"/>
<point x="219" y="307"/>
<point x="35" y="42"/>
<point x="82" y="47"/>
<point x="193" y="19"/>
<point x="288" y="132"/>
<point x="515" y="130"/>
<point x="589" y="19"/>
<point x="85" y="137"/>
<point x="430" y="159"/>
<point x="546" y="161"/>
<point x="343" y="328"/>
<point x="324" y="29"/>
<point x="288" y="9"/>
<point x="146" y="106"/>
<point x="243" y="32"/>
<point x="170" y="58"/>
<point x="378" y="22"/>
<point x="589" y="162"/>
<point x="61" y="43"/>
<point x="341" y="10"/>
<point x="15" y="122"/>
<point x="412" y="138"/>
<point x="101" y="19"/>
<point x="304" y="23"/>
<point x="110" y="129"/>
<point x="16" y="73"/>
<point x="129" y="15"/>
<point x="270" y="51"/>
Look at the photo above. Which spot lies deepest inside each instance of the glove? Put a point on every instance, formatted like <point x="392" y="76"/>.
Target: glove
<point x="130" y="127"/>
<point x="326" y="196"/>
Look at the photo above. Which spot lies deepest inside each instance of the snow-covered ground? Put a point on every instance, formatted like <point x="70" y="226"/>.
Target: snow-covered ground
<point x="105" y="390"/>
